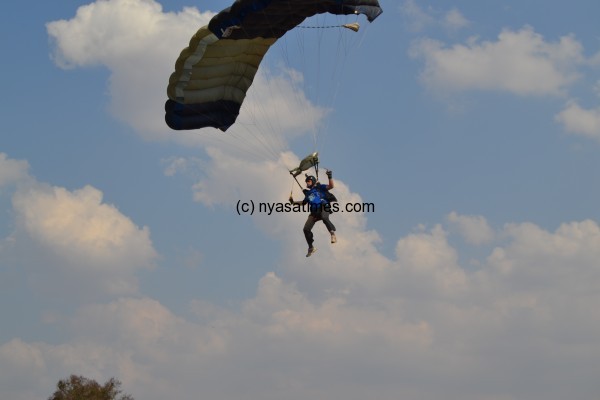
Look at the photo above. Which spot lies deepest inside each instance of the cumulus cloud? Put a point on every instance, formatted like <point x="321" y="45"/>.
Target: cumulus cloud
<point x="83" y="236"/>
<point x="228" y="179"/>
<point x="536" y="292"/>
<point x="455" y="20"/>
<point x="580" y="121"/>
<point x="19" y="362"/>
<point x="348" y="323"/>
<point x="474" y="228"/>
<point x="519" y="62"/>
<point x="139" y="44"/>
<point x="71" y="241"/>
<point x="571" y="246"/>
<point x="419" y="19"/>
<point x="12" y="171"/>
<point x="80" y="227"/>
<point x="181" y="165"/>
<point x="350" y="296"/>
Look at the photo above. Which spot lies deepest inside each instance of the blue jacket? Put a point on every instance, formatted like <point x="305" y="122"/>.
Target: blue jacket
<point x="315" y="197"/>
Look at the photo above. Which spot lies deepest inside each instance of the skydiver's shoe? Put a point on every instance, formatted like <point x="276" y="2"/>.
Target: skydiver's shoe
<point x="333" y="238"/>
<point x="311" y="250"/>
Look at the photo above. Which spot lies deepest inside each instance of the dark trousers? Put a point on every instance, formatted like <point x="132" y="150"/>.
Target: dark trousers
<point x="312" y="220"/>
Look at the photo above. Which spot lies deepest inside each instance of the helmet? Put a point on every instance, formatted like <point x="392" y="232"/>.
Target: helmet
<point x="310" y="178"/>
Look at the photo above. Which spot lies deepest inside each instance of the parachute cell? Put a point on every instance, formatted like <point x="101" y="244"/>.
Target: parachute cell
<point x="213" y="74"/>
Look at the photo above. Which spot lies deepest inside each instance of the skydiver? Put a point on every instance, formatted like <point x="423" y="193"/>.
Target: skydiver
<point x="315" y="195"/>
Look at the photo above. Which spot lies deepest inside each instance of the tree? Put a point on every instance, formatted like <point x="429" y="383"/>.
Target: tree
<point x="81" y="388"/>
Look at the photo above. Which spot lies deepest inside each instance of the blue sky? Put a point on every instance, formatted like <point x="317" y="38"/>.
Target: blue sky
<point x="474" y="129"/>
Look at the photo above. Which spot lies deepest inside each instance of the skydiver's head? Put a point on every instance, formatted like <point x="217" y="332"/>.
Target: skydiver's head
<point x="310" y="181"/>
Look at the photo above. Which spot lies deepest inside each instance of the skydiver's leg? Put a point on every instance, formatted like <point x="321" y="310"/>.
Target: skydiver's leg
<point x="326" y="221"/>
<point x="308" y="225"/>
<point x="329" y="225"/>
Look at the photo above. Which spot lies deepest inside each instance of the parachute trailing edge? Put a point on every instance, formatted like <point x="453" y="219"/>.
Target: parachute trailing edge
<point x="213" y="74"/>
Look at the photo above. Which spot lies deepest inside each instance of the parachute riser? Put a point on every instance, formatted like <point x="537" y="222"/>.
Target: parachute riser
<point x="296" y="179"/>
<point x="312" y="160"/>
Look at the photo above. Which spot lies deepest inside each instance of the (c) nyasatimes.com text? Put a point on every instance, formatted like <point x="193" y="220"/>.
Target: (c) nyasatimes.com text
<point x="250" y="207"/>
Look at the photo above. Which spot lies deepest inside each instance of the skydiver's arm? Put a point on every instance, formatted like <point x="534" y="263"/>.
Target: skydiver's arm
<point x="300" y="202"/>
<point x="330" y="176"/>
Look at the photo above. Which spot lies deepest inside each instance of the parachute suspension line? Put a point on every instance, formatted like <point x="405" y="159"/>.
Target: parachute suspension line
<point x="309" y="87"/>
<point x="318" y="83"/>
<point x="293" y="46"/>
<point x="319" y="56"/>
<point x="328" y="72"/>
<point x="242" y="144"/>
<point x="261" y="123"/>
<point x="253" y="130"/>
<point x="345" y="46"/>
<point x="255" y="133"/>
<point x="262" y="131"/>
<point x="276" y="86"/>
<point x="251" y="142"/>
<point x="280" y="85"/>
<point x="252" y="133"/>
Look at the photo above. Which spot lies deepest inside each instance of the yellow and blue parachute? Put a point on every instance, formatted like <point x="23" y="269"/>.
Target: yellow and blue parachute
<point x="213" y="74"/>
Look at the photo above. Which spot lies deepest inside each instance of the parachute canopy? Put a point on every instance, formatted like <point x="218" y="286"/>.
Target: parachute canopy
<point x="213" y="74"/>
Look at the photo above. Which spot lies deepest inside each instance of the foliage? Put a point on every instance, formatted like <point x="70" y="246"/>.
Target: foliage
<point x="81" y="388"/>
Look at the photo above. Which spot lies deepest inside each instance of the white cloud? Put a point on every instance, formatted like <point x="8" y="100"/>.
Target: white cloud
<point x="229" y="179"/>
<point x="80" y="227"/>
<point x="23" y="370"/>
<point x="580" y="121"/>
<point x="419" y="19"/>
<point x="474" y="228"/>
<point x="454" y="20"/>
<point x="70" y="242"/>
<point x="286" y="340"/>
<point x="139" y="44"/>
<point x="347" y="323"/>
<point x="179" y="165"/>
<point x="427" y="259"/>
<point x="78" y="234"/>
<point x="520" y="62"/>
<point x="12" y="171"/>
<point x="535" y="251"/>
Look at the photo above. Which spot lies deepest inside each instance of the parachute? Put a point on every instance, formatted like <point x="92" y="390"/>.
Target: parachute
<point x="213" y="74"/>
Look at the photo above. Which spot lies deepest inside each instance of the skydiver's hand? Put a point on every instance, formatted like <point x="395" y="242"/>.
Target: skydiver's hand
<point x="329" y="174"/>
